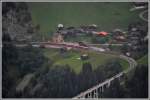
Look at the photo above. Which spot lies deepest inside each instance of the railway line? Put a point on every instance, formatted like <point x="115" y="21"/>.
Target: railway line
<point x="94" y="91"/>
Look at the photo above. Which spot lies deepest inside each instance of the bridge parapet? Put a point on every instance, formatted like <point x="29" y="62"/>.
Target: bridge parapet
<point x="94" y="91"/>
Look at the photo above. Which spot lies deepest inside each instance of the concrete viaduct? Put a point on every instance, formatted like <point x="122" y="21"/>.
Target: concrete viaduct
<point x="100" y="88"/>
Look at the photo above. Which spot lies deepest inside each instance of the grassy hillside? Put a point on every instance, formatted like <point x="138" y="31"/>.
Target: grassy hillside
<point x="71" y="58"/>
<point x="123" y="63"/>
<point x="106" y="15"/>
<point x="143" y="60"/>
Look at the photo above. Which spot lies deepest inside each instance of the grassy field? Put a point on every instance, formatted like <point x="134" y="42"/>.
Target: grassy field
<point x="123" y="63"/>
<point x="83" y="38"/>
<point x="143" y="60"/>
<point x="106" y="15"/>
<point x="71" y="59"/>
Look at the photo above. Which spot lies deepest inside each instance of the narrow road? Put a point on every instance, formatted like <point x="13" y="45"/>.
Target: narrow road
<point x="141" y="15"/>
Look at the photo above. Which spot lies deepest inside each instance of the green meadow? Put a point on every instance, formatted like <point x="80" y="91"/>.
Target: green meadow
<point x="71" y="58"/>
<point x="107" y="16"/>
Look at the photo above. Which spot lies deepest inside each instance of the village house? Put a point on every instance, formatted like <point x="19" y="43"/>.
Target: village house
<point x="57" y="38"/>
<point x="118" y="35"/>
<point x="120" y="38"/>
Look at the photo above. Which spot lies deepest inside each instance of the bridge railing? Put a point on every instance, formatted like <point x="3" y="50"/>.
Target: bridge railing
<point x="88" y="93"/>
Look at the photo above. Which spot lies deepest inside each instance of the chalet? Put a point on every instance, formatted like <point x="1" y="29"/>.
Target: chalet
<point x="120" y="38"/>
<point x="57" y="38"/>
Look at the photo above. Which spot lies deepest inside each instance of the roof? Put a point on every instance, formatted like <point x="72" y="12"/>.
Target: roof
<point x="60" y="25"/>
<point x="102" y="33"/>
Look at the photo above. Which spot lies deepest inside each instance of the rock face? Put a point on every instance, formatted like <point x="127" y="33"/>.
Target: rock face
<point x="17" y="22"/>
<point x="24" y="83"/>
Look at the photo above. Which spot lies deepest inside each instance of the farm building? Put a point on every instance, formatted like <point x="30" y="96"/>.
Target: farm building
<point x="84" y="57"/>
